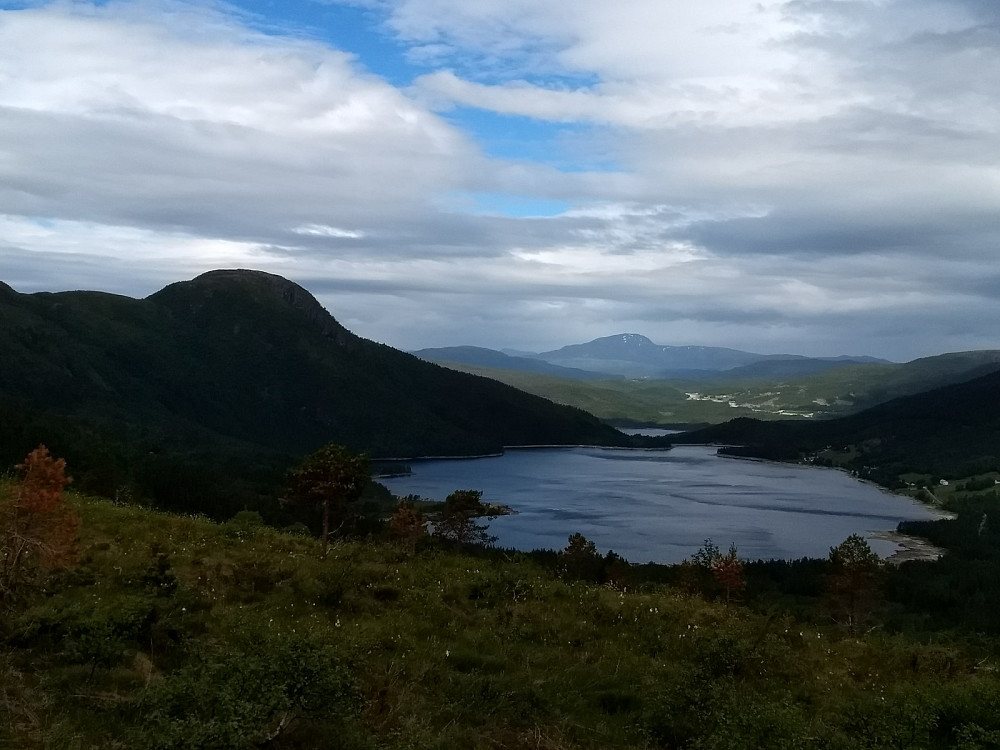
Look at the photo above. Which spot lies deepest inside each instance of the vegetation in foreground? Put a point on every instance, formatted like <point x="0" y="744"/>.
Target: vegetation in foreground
<point x="152" y="630"/>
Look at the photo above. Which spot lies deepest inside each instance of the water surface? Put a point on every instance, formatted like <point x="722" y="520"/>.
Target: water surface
<point x="661" y="505"/>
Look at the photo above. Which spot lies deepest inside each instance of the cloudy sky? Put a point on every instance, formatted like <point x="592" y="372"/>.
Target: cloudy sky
<point x="810" y="176"/>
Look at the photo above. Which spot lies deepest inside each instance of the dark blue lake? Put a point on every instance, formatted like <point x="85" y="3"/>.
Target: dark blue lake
<point x="661" y="505"/>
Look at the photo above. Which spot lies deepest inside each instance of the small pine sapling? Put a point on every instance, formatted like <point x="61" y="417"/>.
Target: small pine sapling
<point x="39" y="530"/>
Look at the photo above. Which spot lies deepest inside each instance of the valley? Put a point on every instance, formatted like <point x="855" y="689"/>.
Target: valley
<point x="718" y="396"/>
<point x="180" y="601"/>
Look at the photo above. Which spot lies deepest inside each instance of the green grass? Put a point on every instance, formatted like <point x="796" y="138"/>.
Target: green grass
<point x="178" y="632"/>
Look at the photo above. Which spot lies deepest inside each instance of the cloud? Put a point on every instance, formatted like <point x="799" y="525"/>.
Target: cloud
<point x="173" y="116"/>
<point x="808" y="176"/>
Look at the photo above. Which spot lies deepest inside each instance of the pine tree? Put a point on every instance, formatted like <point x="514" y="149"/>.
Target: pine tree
<point x="854" y="583"/>
<point x="580" y="559"/>
<point x="407" y="525"/>
<point x="39" y="530"/>
<point x="329" y="479"/>
<point x="457" y="520"/>
<point x="728" y="571"/>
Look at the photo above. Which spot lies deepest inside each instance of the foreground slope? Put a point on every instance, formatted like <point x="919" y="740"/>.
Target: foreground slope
<point x="177" y="633"/>
<point x="239" y="363"/>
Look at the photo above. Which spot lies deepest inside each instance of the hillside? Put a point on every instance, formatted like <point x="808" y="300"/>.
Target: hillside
<point x="241" y="369"/>
<point x="477" y="356"/>
<point x="952" y="431"/>
<point x="770" y="389"/>
<point x="173" y="633"/>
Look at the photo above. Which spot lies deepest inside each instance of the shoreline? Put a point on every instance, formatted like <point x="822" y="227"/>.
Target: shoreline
<point x="910" y="548"/>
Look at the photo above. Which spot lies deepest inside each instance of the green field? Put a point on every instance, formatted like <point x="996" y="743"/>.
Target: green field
<point x="837" y="392"/>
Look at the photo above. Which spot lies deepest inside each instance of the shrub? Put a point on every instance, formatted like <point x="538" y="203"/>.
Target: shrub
<point x="247" y="696"/>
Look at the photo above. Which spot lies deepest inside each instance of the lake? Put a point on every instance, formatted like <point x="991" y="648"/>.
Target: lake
<point x="660" y="506"/>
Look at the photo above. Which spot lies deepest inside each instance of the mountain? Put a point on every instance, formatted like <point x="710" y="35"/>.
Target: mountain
<point x="634" y="356"/>
<point x="479" y="357"/>
<point x="239" y="372"/>
<point x="780" y="387"/>
<point x="927" y="373"/>
<point x="783" y="367"/>
<point x="949" y="431"/>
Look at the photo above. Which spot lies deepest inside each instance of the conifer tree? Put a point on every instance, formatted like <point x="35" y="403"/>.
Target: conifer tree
<point x="39" y="530"/>
<point x="329" y="479"/>
<point x="407" y="525"/>
<point x="457" y="520"/>
<point x="853" y="585"/>
<point x="728" y="571"/>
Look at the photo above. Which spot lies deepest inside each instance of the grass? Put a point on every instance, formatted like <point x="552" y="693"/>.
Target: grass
<point x="174" y="631"/>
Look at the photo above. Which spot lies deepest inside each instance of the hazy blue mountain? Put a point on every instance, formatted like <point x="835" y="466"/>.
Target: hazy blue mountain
<point x="635" y="356"/>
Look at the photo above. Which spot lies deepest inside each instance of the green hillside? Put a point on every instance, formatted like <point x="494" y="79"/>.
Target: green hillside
<point x="239" y="371"/>
<point x="842" y="390"/>
<point x="952" y="431"/>
<point x="172" y="633"/>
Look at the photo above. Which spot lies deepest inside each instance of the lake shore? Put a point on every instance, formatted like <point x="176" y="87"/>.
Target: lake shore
<point x="910" y="548"/>
<point x="660" y="506"/>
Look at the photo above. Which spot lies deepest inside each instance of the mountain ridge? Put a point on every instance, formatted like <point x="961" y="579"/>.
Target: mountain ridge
<point x="632" y="355"/>
<point x="243" y="364"/>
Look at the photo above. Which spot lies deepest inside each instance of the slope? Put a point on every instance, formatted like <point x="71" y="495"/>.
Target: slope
<point x="476" y="356"/>
<point x="244" y="365"/>
<point x="950" y="431"/>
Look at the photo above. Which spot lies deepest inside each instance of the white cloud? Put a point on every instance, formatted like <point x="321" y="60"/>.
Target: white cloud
<point x="322" y="230"/>
<point x="170" y="115"/>
<point x="810" y="176"/>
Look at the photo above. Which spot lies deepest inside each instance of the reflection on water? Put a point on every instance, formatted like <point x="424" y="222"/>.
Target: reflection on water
<point x="661" y="505"/>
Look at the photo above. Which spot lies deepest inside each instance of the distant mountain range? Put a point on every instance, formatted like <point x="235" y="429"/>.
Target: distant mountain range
<point x="775" y="387"/>
<point x="236" y="371"/>
<point x="630" y="355"/>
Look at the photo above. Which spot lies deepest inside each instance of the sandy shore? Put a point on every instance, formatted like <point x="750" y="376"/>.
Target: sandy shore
<point x="910" y="547"/>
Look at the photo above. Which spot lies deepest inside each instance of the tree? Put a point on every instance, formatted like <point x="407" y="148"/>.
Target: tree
<point x="854" y="582"/>
<point x="457" y="520"/>
<point x="706" y="554"/>
<point x="39" y="530"/>
<point x="617" y="571"/>
<point x="708" y="564"/>
<point x="728" y="571"/>
<point x="407" y="525"/>
<point x="580" y="559"/>
<point x="329" y="479"/>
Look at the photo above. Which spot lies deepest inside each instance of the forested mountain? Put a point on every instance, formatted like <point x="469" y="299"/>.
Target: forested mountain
<point x="949" y="431"/>
<point x="231" y="373"/>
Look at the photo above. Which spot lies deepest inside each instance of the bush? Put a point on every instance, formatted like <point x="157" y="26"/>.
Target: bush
<point x="248" y="696"/>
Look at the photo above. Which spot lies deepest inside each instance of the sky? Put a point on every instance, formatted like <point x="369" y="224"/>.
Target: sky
<point x="815" y="177"/>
